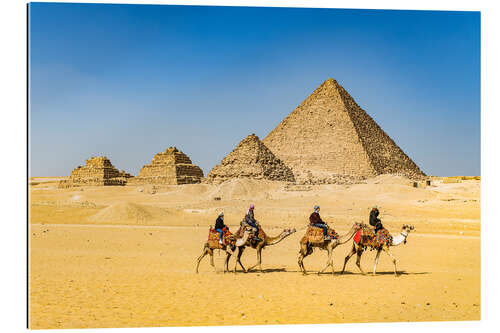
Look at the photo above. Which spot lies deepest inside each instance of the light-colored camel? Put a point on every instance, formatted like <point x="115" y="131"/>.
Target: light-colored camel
<point x="265" y="241"/>
<point x="229" y="249"/>
<point x="359" y="248"/>
<point x="306" y="247"/>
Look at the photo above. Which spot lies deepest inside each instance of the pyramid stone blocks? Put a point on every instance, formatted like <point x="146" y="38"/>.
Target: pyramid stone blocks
<point x="335" y="141"/>
<point x="171" y="167"/>
<point x="98" y="171"/>
<point x="251" y="159"/>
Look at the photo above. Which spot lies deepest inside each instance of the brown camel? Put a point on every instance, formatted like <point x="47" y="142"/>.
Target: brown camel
<point x="209" y="248"/>
<point x="358" y="248"/>
<point x="265" y="241"/>
<point x="306" y="247"/>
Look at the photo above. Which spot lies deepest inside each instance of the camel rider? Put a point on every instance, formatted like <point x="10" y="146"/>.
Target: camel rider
<point x="219" y="225"/>
<point x="250" y="220"/>
<point x="374" y="220"/>
<point x="315" y="221"/>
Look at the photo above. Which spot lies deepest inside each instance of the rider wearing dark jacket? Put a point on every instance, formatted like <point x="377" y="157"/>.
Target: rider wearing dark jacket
<point x="251" y="221"/>
<point x="316" y="221"/>
<point x="219" y="225"/>
<point x="374" y="220"/>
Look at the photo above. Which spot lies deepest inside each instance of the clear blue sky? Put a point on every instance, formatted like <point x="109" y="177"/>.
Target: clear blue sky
<point x="128" y="81"/>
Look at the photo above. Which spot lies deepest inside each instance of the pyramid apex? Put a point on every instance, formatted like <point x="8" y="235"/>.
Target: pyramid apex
<point x="331" y="80"/>
<point x="171" y="150"/>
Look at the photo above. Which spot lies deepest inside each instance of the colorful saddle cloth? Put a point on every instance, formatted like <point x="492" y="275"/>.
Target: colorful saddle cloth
<point x="368" y="238"/>
<point x="315" y="234"/>
<point x="213" y="238"/>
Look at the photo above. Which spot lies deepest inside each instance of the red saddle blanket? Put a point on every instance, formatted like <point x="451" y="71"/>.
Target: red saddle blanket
<point x="367" y="237"/>
<point x="213" y="237"/>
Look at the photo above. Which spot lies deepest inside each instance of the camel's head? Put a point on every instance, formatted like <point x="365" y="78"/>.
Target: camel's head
<point x="288" y="232"/>
<point x="408" y="228"/>
<point x="357" y="225"/>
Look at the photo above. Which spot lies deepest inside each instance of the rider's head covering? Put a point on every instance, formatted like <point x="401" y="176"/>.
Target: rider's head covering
<point x="375" y="207"/>
<point x="316" y="208"/>
<point x="221" y="214"/>
<point x="252" y="206"/>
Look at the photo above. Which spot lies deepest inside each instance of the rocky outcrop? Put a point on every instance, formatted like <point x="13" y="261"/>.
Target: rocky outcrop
<point x="251" y="159"/>
<point x="171" y="167"/>
<point x="98" y="171"/>
<point x="330" y="139"/>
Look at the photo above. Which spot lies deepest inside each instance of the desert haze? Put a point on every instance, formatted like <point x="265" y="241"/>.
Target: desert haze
<point x="125" y="256"/>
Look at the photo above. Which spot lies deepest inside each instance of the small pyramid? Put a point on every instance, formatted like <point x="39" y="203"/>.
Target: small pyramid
<point x="251" y="159"/>
<point x="171" y="167"/>
<point x="97" y="171"/>
<point x="333" y="138"/>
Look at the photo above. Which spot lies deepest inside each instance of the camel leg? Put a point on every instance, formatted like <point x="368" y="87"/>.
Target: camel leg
<point x="205" y="252"/>
<point x="353" y="250"/>
<point x="304" y="252"/>
<point x="238" y="259"/>
<point x="376" y="260"/>
<point x="211" y="253"/>
<point x="300" y="262"/>
<point x="359" y="252"/>
<point x="329" y="261"/>
<point x="386" y="249"/>
<point x="226" y="264"/>
<point x="259" y="260"/>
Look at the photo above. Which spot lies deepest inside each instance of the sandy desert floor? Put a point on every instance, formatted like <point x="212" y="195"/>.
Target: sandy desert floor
<point x="125" y="256"/>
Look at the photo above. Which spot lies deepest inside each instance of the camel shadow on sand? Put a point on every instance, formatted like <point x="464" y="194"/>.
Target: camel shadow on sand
<point x="378" y="273"/>
<point x="264" y="271"/>
<point x="284" y="270"/>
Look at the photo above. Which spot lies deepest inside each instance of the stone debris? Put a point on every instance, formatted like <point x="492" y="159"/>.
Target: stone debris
<point x="98" y="171"/>
<point x="171" y="167"/>
<point x="330" y="139"/>
<point x="251" y="159"/>
<point x="297" y="188"/>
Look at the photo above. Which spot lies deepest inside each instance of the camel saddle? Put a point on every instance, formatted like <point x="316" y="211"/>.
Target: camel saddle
<point x="213" y="238"/>
<point x="239" y="232"/>
<point x="315" y="234"/>
<point x="368" y="238"/>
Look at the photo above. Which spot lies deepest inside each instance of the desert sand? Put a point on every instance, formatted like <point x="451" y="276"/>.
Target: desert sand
<point x="125" y="256"/>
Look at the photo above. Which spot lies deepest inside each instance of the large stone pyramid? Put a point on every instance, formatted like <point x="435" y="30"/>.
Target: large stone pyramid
<point x="329" y="138"/>
<point x="251" y="159"/>
<point x="97" y="171"/>
<point x="171" y="167"/>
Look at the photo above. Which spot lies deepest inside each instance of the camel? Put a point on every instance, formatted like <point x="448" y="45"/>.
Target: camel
<point x="358" y="248"/>
<point x="306" y="247"/>
<point x="265" y="241"/>
<point x="229" y="249"/>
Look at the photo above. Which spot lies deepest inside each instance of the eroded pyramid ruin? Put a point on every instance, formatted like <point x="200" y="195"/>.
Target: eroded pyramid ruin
<point x="330" y="139"/>
<point x="251" y="159"/>
<point x="171" y="167"/>
<point x="97" y="171"/>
